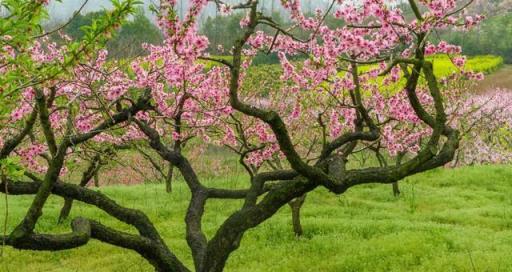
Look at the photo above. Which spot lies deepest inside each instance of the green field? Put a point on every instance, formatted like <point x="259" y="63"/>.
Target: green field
<point x="485" y="64"/>
<point x="445" y="220"/>
<point x="443" y="65"/>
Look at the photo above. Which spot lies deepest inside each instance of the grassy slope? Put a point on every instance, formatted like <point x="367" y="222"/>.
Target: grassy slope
<point x="446" y="220"/>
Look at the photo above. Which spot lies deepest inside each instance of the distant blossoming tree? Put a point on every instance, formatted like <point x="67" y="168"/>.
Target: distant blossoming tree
<point x="366" y="86"/>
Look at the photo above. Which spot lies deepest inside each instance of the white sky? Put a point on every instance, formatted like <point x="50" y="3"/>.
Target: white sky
<point x="61" y="11"/>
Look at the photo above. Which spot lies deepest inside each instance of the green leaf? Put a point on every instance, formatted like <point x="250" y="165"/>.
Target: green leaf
<point x="12" y="168"/>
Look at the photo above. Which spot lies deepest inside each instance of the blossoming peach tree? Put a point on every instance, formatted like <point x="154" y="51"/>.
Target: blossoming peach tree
<point x="366" y="86"/>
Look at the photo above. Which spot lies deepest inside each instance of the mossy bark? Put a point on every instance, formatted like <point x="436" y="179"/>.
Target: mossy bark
<point x="296" y="206"/>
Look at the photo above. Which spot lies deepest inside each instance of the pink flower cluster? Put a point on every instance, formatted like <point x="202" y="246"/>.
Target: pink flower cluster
<point x="486" y="120"/>
<point x="442" y="47"/>
<point x="314" y="97"/>
<point x="29" y="157"/>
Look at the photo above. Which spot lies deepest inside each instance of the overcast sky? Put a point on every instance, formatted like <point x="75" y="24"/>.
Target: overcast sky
<point x="65" y="9"/>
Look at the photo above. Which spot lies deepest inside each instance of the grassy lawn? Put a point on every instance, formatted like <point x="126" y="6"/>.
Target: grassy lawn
<point x="445" y="220"/>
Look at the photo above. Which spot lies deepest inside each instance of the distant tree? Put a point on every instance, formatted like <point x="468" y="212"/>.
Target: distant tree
<point x="129" y="38"/>
<point x="222" y="31"/>
<point x="492" y="7"/>
<point x="494" y="36"/>
<point x="75" y="28"/>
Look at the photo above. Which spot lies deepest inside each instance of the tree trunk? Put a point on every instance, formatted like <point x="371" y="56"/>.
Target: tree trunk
<point x="295" y="206"/>
<point x="396" y="190"/>
<point x="90" y="173"/>
<point x="168" y="179"/>
<point x="66" y="209"/>
<point x="96" y="180"/>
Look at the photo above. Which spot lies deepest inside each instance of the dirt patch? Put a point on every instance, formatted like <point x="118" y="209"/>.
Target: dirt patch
<point x="499" y="79"/>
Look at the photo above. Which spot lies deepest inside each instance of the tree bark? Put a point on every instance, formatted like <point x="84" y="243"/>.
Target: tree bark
<point x="296" y="206"/>
<point x="396" y="190"/>
<point x="65" y="210"/>
<point x="92" y="171"/>
<point x="168" y="179"/>
<point x="96" y="180"/>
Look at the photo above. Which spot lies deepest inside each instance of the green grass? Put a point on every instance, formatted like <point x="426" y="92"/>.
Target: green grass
<point x="445" y="220"/>
<point x="486" y="64"/>
<point x="264" y="79"/>
<point x="442" y="64"/>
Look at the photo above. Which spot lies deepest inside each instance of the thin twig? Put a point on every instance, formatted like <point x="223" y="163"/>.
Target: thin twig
<point x="64" y="25"/>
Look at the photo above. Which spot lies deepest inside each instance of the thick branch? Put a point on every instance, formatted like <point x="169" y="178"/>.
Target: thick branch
<point x="12" y="143"/>
<point x="423" y="162"/>
<point x="195" y="237"/>
<point x="227" y="239"/>
<point x="87" y="175"/>
<point x="129" y="216"/>
<point x="270" y="117"/>
<point x="80" y="236"/>
<point x="155" y="253"/>
<point x="44" y="117"/>
<point x="142" y="104"/>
